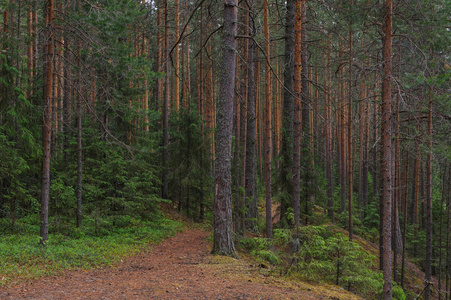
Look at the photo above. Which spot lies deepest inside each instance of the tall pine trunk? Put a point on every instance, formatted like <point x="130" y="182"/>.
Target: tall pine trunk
<point x="47" y="123"/>
<point x="251" y="144"/>
<point x="165" y="191"/>
<point x="287" y="112"/>
<point x="223" y="232"/>
<point x="350" y="155"/>
<point x="176" y="57"/>
<point x="297" y="86"/>
<point x="428" y="262"/>
<point x="328" y="134"/>
<point x="386" y="154"/>
<point x="267" y="121"/>
<point x="79" y="142"/>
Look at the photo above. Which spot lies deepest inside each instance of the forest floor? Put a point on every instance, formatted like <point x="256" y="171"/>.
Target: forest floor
<point x="180" y="267"/>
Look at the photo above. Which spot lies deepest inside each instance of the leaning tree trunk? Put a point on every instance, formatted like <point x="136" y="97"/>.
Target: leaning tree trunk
<point x="223" y="233"/>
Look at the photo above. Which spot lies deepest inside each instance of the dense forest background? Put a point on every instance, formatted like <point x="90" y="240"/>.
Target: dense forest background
<point x="109" y="108"/>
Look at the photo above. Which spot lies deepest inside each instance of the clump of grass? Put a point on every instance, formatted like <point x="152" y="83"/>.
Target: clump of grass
<point x="22" y="257"/>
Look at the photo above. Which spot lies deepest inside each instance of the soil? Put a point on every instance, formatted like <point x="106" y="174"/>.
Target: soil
<point x="180" y="267"/>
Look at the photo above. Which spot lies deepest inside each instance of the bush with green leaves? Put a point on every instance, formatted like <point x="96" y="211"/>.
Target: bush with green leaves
<point x="260" y="248"/>
<point x="326" y="256"/>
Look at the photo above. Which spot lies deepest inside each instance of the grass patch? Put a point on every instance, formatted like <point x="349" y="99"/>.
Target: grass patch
<point x="22" y="257"/>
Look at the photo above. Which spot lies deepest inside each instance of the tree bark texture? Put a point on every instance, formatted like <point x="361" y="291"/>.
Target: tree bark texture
<point x="386" y="153"/>
<point x="165" y="180"/>
<point x="251" y="144"/>
<point x="47" y="123"/>
<point x="268" y="122"/>
<point x="297" y="86"/>
<point x="328" y="135"/>
<point x="176" y="57"/>
<point x="428" y="262"/>
<point x="223" y="234"/>
<point x="350" y="154"/>
<point x="287" y="111"/>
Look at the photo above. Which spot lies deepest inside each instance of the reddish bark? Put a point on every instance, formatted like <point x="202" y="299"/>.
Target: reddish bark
<point x="47" y="124"/>
<point x="297" y="86"/>
<point x="268" y="122"/>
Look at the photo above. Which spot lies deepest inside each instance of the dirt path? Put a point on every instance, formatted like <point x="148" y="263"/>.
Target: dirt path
<point x="178" y="268"/>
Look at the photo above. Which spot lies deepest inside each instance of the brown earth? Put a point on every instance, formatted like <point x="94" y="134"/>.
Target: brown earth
<point x="180" y="267"/>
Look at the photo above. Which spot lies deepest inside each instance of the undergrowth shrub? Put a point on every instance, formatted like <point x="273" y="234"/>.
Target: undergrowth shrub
<point x="326" y="256"/>
<point x="261" y="249"/>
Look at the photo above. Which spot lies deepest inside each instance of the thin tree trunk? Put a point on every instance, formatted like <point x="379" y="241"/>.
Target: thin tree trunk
<point x="187" y="81"/>
<point x="47" y="124"/>
<point x="243" y="132"/>
<point x="209" y="103"/>
<point x="251" y="143"/>
<point x="343" y="145"/>
<point x="258" y="110"/>
<point x="287" y="111"/>
<point x="268" y="122"/>
<point x="79" y="191"/>
<point x="305" y="109"/>
<point x="297" y="86"/>
<point x="428" y="262"/>
<point x="79" y="162"/>
<point x="375" y="130"/>
<point x="441" y="235"/>
<point x="145" y="52"/>
<point x="416" y="192"/>
<point x="165" y="191"/>
<point x="396" y="180"/>
<point x="30" y="50"/>
<point x="67" y="93"/>
<point x="160" y="46"/>
<point x="363" y="165"/>
<point x="176" y="57"/>
<point x="447" y="267"/>
<point x="236" y="156"/>
<point x="328" y="134"/>
<point x="405" y="196"/>
<point x="386" y="150"/>
<point x="350" y="156"/>
<point x="223" y="233"/>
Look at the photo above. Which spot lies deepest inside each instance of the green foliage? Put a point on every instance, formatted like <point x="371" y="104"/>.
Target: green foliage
<point x="22" y="257"/>
<point x="190" y="164"/>
<point x="398" y="293"/>
<point x="260" y="248"/>
<point x="325" y="256"/>
<point x="117" y="182"/>
<point x="19" y="149"/>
